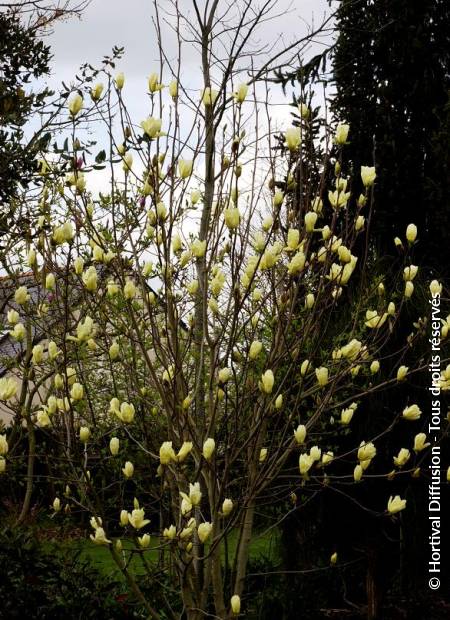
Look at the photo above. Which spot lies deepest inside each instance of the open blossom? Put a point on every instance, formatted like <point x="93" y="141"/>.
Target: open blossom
<point x="137" y="518"/>
<point x="420" y="442"/>
<point x="396" y="504"/>
<point x="366" y="451"/>
<point x="166" y="453"/>
<point x="402" y="457"/>
<point x="99" y="538"/>
<point x="412" y="412"/>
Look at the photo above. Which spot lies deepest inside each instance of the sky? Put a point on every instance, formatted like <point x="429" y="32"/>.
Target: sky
<point x="106" y="23"/>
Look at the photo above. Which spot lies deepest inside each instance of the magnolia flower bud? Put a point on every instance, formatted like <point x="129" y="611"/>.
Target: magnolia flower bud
<point x="96" y="91"/>
<point x="368" y="175"/>
<point x="310" y="221"/>
<point x="292" y="138"/>
<point x="85" y="433"/>
<point x="129" y="290"/>
<point x="123" y="519"/>
<point x="209" y="96"/>
<point x="185" y="168"/>
<point x="305" y="367"/>
<point x="241" y="93"/>
<point x="267" y="382"/>
<point x="77" y="391"/>
<point x="75" y="104"/>
<point x="173" y="89"/>
<point x="114" y="446"/>
<point x="114" y="350"/>
<point x="184" y="451"/>
<point x="3" y="445"/>
<point x="435" y="288"/>
<point x="409" y="289"/>
<point x="128" y="470"/>
<point x="322" y="375"/>
<point x="166" y="453"/>
<point x="232" y="218"/>
<point x="198" y="248"/>
<point x="224" y="375"/>
<point x="411" y="233"/>
<point x="56" y="504"/>
<point x="402" y="372"/>
<point x="262" y="455"/>
<point x="409" y="273"/>
<point x="204" y="530"/>
<point x="278" y="198"/>
<point x="359" y="222"/>
<point x="374" y="367"/>
<point x="420" y="442"/>
<point x="120" y="80"/>
<point x="341" y="133"/>
<point x="153" y="83"/>
<point x="305" y="462"/>
<point x="235" y="603"/>
<point x="300" y="434"/>
<point x="227" y="507"/>
<point x="12" y="317"/>
<point x="208" y="448"/>
<point x="37" y="354"/>
<point x="21" y="295"/>
<point x="267" y="223"/>
<point x="255" y="349"/>
<point x="279" y="401"/>
<point x="309" y="301"/>
<point x="357" y="473"/>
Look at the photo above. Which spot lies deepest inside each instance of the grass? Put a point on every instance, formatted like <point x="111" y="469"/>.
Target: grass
<point x="263" y="545"/>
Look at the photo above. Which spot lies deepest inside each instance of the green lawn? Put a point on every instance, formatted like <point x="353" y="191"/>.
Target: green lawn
<point x="263" y="545"/>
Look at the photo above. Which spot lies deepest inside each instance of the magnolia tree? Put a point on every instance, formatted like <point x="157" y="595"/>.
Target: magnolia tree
<point x="187" y="313"/>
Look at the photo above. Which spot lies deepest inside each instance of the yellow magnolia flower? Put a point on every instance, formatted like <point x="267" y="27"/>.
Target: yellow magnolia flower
<point x="300" y="434"/>
<point x="341" y="133"/>
<point x="305" y="463"/>
<point x="368" y="175"/>
<point x="412" y="412"/>
<point x="396" y="504"/>
<point x="136" y="518"/>
<point x="75" y="104"/>
<point x="402" y="457"/>
<point x="185" y="168"/>
<point x="204" y="530"/>
<point x="114" y="446"/>
<point x="167" y="453"/>
<point x="128" y="470"/>
<point x="208" y="448"/>
<point x="235" y="603"/>
<point x="267" y="382"/>
<point x="292" y="138"/>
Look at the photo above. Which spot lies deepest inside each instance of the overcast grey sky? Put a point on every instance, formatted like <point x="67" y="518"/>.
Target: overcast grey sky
<point x="106" y="23"/>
